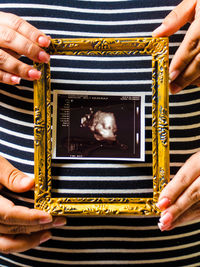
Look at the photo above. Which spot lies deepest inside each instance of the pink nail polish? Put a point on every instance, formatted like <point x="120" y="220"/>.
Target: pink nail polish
<point x="166" y="219"/>
<point x="59" y="222"/>
<point x="34" y="74"/>
<point x="43" y="41"/>
<point x="173" y="75"/>
<point x="44" y="57"/>
<point x="45" y="237"/>
<point x="15" y="79"/>
<point x="163" y="203"/>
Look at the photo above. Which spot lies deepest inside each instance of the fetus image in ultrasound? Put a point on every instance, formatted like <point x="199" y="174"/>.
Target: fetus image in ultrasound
<point x="102" y="124"/>
<point x="98" y="127"/>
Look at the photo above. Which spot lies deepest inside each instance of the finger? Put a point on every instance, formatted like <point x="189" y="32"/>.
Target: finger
<point x="182" y="180"/>
<point x="14" y="179"/>
<point x="12" y="53"/>
<point x="19" y="243"/>
<point x="27" y="229"/>
<point x="9" y="78"/>
<point x="23" y="27"/>
<point x="188" y="76"/>
<point x="182" y="204"/>
<point x="178" y="17"/>
<point x="187" y="52"/>
<point x="13" y="40"/>
<point x="192" y="214"/>
<point x="11" y="65"/>
<point x="19" y="215"/>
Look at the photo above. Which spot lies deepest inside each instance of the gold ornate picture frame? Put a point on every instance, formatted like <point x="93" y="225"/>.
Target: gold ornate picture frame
<point x="158" y="49"/>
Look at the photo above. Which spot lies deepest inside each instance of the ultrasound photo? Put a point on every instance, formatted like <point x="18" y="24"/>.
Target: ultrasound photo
<point x="98" y="125"/>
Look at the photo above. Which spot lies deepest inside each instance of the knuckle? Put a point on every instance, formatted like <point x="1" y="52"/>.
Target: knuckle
<point x="184" y="179"/>
<point x="19" y="229"/>
<point x="13" y="174"/>
<point x="193" y="195"/>
<point x="16" y="22"/>
<point x="6" y="35"/>
<point x="5" y="250"/>
<point x="29" y="49"/>
<point x="3" y="57"/>
<point x="193" y="44"/>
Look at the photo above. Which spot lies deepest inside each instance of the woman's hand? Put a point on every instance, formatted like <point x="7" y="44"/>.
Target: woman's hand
<point x="17" y="38"/>
<point x="185" y="66"/>
<point x="180" y="199"/>
<point x="21" y="228"/>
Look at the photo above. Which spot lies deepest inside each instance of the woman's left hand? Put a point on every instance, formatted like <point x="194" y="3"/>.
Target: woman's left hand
<point x="180" y="199"/>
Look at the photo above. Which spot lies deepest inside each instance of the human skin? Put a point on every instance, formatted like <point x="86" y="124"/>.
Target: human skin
<point x="21" y="228"/>
<point x="180" y="199"/>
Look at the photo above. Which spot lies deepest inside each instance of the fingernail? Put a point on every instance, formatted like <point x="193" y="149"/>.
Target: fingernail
<point x="15" y="79"/>
<point x="26" y="181"/>
<point x="166" y="219"/>
<point x="158" y="30"/>
<point x="163" y="203"/>
<point x="173" y="75"/>
<point x="59" y="222"/>
<point x="44" y="57"/>
<point x="45" y="237"/>
<point x="45" y="220"/>
<point x="162" y="227"/>
<point x="175" y="88"/>
<point x="34" y="74"/>
<point x="43" y="41"/>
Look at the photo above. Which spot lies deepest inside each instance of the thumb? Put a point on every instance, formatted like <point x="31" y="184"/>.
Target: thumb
<point x="179" y="16"/>
<point x="14" y="179"/>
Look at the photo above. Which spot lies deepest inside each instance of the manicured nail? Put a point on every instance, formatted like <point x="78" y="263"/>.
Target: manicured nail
<point x="45" y="220"/>
<point x="163" y="203"/>
<point x="158" y="30"/>
<point x="166" y="219"/>
<point x="175" y="88"/>
<point x="43" y="41"/>
<point x="45" y="237"/>
<point x="15" y="79"/>
<point x="162" y="227"/>
<point x="59" y="222"/>
<point x="173" y="75"/>
<point x="26" y="181"/>
<point x="44" y="57"/>
<point x="34" y="74"/>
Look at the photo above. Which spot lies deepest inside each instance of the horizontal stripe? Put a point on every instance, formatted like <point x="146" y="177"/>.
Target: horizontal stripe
<point x="142" y="250"/>
<point x="17" y="122"/>
<point x="101" y="35"/>
<point x="14" y="146"/>
<point x="104" y="262"/>
<point x="16" y="96"/>
<point x="86" y="10"/>
<point x="101" y="178"/>
<point x="99" y="191"/>
<point x="21" y="110"/>
<point x="126" y="239"/>
<point x="18" y="134"/>
<point x="142" y="70"/>
<point x="93" y="22"/>
<point x="13" y="262"/>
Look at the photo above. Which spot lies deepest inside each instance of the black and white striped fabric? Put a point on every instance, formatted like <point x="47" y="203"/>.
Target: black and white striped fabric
<point x="101" y="241"/>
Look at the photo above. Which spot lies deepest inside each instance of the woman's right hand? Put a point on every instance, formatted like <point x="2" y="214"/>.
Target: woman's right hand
<point x="17" y="38"/>
<point x="21" y="228"/>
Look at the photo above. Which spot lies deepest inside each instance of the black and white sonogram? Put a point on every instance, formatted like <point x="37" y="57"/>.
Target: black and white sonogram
<point x="98" y="126"/>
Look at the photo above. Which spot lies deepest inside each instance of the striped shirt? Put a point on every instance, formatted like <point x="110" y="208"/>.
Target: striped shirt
<point x="101" y="240"/>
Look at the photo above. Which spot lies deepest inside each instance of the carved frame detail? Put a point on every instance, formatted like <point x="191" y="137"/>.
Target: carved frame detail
<point x="158" y="49"/>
